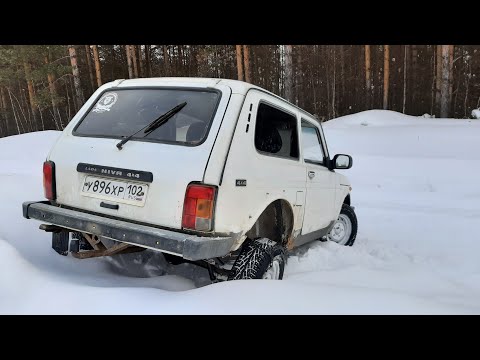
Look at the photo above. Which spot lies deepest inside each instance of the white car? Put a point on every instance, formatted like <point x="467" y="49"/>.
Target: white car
<point x="216" y="172"/>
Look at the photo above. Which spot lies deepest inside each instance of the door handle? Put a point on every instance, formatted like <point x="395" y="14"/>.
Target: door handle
<point x="311" y="174"/>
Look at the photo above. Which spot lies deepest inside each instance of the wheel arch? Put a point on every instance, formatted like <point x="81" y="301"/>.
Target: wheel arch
<point x="275" y="222"/>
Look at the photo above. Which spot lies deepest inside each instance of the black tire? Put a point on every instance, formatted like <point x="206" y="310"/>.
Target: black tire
<point x="348" y="212"/>
<point x="256" y="258"/>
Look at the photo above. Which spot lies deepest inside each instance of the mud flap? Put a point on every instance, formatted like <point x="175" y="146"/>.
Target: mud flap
<point x="60" y="242"/>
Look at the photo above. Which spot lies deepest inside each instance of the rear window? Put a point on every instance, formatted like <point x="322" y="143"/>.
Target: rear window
<point x="121" y="112"/>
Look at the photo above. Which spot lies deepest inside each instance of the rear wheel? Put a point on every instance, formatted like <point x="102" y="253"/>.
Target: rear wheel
<point x="344" y="231"/>
<point x="259" y="259"/>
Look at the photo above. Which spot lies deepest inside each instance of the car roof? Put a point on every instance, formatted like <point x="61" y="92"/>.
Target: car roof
<point x="238" y="87"/>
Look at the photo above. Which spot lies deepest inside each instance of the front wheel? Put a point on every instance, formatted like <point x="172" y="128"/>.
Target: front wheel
<point x="259" y="259"/>
<point x="344" y="231"/>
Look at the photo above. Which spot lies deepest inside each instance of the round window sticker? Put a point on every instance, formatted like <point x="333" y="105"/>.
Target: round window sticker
<point x="106" y="102"/>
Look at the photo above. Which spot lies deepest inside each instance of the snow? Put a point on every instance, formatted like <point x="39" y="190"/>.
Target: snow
<point x="416" y="194"/>
<point x="476" y="113"/>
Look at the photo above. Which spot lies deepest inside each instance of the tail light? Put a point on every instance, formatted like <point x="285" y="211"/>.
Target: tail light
<point x="198" y="207"/>
<point x="49" y="180"/>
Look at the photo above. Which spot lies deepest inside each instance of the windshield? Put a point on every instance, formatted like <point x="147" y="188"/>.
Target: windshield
<point x="121" y="112"/>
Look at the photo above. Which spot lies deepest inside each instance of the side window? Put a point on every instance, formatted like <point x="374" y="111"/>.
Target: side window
<point x="276" y="132"/>
<point x="311" y="145"/>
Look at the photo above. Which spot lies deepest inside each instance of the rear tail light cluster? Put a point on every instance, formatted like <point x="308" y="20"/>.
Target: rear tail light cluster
<point x="49" y="180"/>
<point x="198" y="207"/>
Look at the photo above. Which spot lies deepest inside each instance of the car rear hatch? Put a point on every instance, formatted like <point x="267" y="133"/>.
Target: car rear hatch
<point x="145" y="180"/>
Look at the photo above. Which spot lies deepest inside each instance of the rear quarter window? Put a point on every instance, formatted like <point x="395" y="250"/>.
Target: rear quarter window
<point x="276" y="132"/>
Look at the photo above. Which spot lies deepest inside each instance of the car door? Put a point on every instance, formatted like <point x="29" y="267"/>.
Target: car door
<point x="320" y="186"/>
<point x="263" y="164"/>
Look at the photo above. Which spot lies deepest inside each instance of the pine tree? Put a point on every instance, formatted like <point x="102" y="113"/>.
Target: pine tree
<point x="246" y="60"/>
<point x="386" y="75"/>
<point x="288" y="73"/>
<point x="368" y="85"/>
<point x="89" y="65"/>
<point x="239" y="62"/>
<point x="96" y="59"/>
<point x="76" y="77"/>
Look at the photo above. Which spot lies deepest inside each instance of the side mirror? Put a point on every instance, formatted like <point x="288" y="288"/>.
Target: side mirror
<point x="342" y="161"/>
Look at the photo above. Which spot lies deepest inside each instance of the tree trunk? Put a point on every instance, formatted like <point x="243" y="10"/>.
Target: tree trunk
<point x="113" y="62"/>
<point x="89" y="65"/>
<point x="52" y="88"/>
<point x="386" y="75"/>
<point x="434" y="78"/>
<point x="140" y="61"/>
<point x="446" y="81"/>
<point x="468" y="75"/>
<point x="342" y="72"/>
<point x="13" y="110"/>
<point x="405" y="52"/>
<point x="68" y="107"/>
<point x="3" y="101"/>
<point x="133" y="51"/>
<point x="96" y="59"/>
<point x="367" y="74"/>
<point x="438" y="80"/>
<point x="22" y="102"/>
<point x="147" y="61"/>
<point x="451" y="50"/>
<point x="165" y="60"/>
<point x="2" y="117"/>
<point x="333" y="86"/>
<point x="327" y="79"/>
<point x="246" y="60"/>
<point x="31" y="91"/>
<point x="180" y="59"/>
<point x="288" y="73"/>
<point x="239" y="62"/>
<point x="76" y="77"/>
<point x="414" y="85"/>
<point x="41" y="119"/>
<point x="3" y="98"/>
<point x="129" y="62"/>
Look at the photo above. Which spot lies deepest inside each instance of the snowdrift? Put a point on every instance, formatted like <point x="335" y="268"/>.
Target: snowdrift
<point x="415" y="190"/>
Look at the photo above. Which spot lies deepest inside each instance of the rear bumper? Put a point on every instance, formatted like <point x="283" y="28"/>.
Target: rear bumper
<point x="188" y="246"/>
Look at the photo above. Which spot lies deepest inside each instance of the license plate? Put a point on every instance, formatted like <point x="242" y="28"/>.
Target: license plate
<point x="132" y="193"/>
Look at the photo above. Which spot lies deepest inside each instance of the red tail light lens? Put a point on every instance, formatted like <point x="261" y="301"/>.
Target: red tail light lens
<point x="198" y="207"/>
<point x="49" y="180"/>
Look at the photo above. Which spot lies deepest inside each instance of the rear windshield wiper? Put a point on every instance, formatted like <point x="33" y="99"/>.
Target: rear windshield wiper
<point x="155" y="124"/>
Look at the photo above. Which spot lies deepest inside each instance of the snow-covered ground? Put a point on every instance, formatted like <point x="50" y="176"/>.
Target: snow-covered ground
<point x="416" y="189"/>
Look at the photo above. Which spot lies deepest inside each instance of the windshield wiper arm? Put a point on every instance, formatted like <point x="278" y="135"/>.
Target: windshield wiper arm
<point x="162" y="119"/>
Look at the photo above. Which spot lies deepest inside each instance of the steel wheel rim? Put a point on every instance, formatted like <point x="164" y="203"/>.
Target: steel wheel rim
<point x="273" y="272"/>
<point x="341" y="231"/>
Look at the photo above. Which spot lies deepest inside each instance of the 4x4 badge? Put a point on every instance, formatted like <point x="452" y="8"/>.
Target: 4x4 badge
<point x="241" y="182"/>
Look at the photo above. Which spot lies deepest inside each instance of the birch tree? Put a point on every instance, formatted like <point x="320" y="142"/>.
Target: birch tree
<point x="445" y="97"/>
